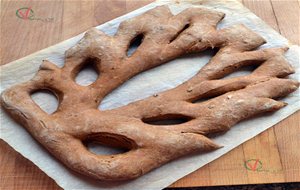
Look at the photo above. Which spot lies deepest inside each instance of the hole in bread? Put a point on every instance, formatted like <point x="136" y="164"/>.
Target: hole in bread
<point x="241" y="71"/>
<point x="108" y="144"/>
<point x="157" y="80"/>
<point x="46" y="100"/>
<point x="168" y="119"/>
<point x="101" y="149"/>
<point x="134" y="44"/>
<point x="87" y="73"/>
<point x="179" y="32"/>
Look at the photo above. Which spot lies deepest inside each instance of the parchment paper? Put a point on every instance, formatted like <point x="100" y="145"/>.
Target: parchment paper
<point x="150" y="82"/>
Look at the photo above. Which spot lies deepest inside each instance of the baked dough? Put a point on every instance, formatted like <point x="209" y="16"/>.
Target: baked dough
<point x="165" y="37"/>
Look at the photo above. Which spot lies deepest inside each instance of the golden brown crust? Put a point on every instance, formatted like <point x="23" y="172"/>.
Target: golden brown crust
<point x="165" y="37"/>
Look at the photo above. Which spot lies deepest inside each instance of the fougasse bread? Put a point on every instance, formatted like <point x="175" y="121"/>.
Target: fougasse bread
<point x="164" y="37"/>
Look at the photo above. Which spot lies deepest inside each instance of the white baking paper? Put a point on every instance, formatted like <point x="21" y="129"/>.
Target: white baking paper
<point x="156" y="80"/>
